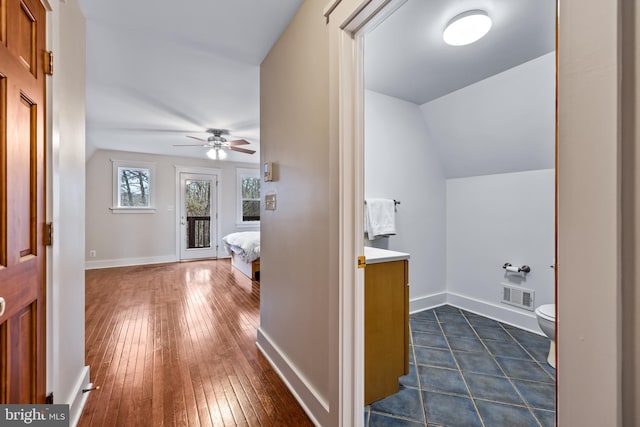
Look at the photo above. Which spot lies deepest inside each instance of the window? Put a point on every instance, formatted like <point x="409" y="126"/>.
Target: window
<point x="248" y="196"/>
<point x="133" y="189"/>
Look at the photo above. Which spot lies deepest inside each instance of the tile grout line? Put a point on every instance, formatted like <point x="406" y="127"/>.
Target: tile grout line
<point x="527" y="351"/>
<point x="525" y="401"/>
<point x="473" y="402"/>
<point x="415" y="368"/>
<point x="531" y="409"/>
<point x="441" y="320"/>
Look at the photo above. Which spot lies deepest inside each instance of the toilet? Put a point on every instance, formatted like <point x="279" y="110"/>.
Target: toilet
<point x="546" y="315"/>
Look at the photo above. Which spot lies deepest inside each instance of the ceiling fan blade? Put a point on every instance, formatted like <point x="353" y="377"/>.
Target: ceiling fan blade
<point x="190" y="145"/>
<point x="195" y="137"/>
<point x="238" y="142"/>
<point x="242" y="150"/>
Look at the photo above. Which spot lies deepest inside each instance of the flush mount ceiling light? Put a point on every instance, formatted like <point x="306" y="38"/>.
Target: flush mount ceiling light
<point x="467" y="28"/>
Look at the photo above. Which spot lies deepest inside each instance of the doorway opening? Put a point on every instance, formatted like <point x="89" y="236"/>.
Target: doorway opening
<point x="473" y="164"/>
<point x="197" y="228"/>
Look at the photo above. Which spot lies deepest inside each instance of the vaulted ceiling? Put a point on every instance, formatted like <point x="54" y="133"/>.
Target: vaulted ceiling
<point x="159" y="70"/>
<point x="406" y="57"/>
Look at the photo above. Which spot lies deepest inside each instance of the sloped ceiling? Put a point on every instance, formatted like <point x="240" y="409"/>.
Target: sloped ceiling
<point x="489" y="106"/>
<point x="159" y="70"/>
<point x="405" y="56"/>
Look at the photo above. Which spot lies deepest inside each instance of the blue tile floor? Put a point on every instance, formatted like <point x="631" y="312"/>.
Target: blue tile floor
<point x="467" y="370"/>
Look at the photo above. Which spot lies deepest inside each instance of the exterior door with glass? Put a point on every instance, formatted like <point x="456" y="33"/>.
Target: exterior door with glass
<point x="198" y="216"/>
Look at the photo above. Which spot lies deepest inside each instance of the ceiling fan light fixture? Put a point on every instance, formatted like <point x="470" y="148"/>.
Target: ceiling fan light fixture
<point x="467" y="27"/>
<point x="216" y="153"/>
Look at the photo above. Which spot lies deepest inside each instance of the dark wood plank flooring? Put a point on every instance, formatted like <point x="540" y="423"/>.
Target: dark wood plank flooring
<point x="174" y="345"/>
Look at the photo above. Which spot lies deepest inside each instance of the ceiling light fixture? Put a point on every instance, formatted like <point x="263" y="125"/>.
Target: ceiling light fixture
<point x="216" y="153"/>
<point x="467" y="28"/>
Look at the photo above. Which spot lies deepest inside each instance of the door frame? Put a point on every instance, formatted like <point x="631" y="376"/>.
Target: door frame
<point x="362" y="16"/>
<point x="347" y="36"/>
<point x="177" y="208"/>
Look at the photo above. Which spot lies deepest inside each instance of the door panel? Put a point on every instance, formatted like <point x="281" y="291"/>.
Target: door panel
<point x="22" y="329"/>
<point x="3" y="172"/>
<point x="23" y="185"/>
<point x="198" y="216"/>
<point x="26" y="38"/>
<point x="22" y="203"/>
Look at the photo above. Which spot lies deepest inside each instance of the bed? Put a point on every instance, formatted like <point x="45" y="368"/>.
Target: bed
<point x="244" y="248"/>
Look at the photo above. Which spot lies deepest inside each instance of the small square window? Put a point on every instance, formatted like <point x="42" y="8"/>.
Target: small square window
<point x="132" y="187"/>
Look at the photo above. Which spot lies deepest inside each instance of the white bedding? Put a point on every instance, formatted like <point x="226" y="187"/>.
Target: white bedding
<point x="246" y="244"/>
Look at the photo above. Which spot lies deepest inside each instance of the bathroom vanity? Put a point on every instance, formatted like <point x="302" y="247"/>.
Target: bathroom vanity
<point x="386" y="322"/>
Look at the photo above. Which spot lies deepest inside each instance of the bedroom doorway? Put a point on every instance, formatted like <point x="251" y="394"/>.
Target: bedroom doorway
<point x="198" y="216"/>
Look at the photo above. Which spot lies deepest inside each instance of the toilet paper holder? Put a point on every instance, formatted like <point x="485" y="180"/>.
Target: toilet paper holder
<point x="524" y="269"/>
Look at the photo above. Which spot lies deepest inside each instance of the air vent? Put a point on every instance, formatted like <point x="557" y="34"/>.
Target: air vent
<point x="519" y="297"/>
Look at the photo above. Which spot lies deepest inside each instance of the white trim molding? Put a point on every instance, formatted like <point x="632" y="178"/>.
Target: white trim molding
<point x="315" y="406"/>
<point x="426" y="302"/>
<point x="127" y="262"/>
<point x="203" y="171"/>
<point x="348" y="21"/>
<point x="78" y="398"/>
<point x="242" y="173"/>
<point x="522" y="319"/>
<point x="132" y="164"/>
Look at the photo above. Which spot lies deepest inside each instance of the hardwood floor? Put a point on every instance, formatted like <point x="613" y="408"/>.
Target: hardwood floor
<point x="174" y="345"/>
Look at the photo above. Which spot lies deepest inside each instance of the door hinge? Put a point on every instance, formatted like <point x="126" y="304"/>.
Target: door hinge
<point x="362" y="263"/>
<point x="47" y="234"/>
<point x="49" y="399"/>
<point x="48" y="63"/>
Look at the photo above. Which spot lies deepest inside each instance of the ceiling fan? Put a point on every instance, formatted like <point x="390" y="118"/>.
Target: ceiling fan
<point x="217" y="143"/>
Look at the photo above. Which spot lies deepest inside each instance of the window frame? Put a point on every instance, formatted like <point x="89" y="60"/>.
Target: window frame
<point x="117" y="165"/>
<point x="242" y="173"/>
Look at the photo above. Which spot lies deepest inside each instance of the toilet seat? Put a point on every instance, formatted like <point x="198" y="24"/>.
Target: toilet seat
<point x="547" y="311"/>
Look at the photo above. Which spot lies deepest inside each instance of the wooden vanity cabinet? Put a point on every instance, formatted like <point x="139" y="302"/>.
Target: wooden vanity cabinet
<point x="386" y="328"/>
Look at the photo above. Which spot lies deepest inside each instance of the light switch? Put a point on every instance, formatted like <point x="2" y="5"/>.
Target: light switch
<point x="270" y="202"/>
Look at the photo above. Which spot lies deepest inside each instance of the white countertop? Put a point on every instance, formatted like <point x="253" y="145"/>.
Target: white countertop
<point x="375" y="255"/>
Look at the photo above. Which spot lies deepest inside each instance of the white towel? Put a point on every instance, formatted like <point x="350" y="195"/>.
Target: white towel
<point x="380" y="218"/>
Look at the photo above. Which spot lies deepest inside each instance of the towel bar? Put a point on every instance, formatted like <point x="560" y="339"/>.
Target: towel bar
<point x="395" y="202"/>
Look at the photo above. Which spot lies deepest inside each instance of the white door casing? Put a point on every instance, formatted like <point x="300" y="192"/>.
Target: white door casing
<point x="205" y="244"/>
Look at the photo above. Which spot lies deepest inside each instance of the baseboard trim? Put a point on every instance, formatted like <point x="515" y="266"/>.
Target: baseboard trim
<point x="126" y="262"/>
<point x="312" y="403"/>
<point x="501" y="312"/>
<point x="78" y="399"/>
<point x="427" y="302"/>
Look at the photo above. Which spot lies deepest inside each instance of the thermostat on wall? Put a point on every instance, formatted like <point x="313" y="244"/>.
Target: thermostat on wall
<point x="268" y="171"/>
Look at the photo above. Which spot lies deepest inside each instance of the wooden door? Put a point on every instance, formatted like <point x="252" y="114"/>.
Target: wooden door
<point x="22" y="207"/>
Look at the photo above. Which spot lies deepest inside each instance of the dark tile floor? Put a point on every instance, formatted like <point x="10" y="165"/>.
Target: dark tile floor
<point x="467" y="370"/>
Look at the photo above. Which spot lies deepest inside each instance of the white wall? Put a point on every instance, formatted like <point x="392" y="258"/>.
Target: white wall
<point x="459" y="234"/>
<point x="505" y="123"/>
<point x="66" y="371"/>
<point x="154" y="234"/>
<point x="299" y="239"/>
<point x="494" y="219"/>
<point x="402" y="163"/>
